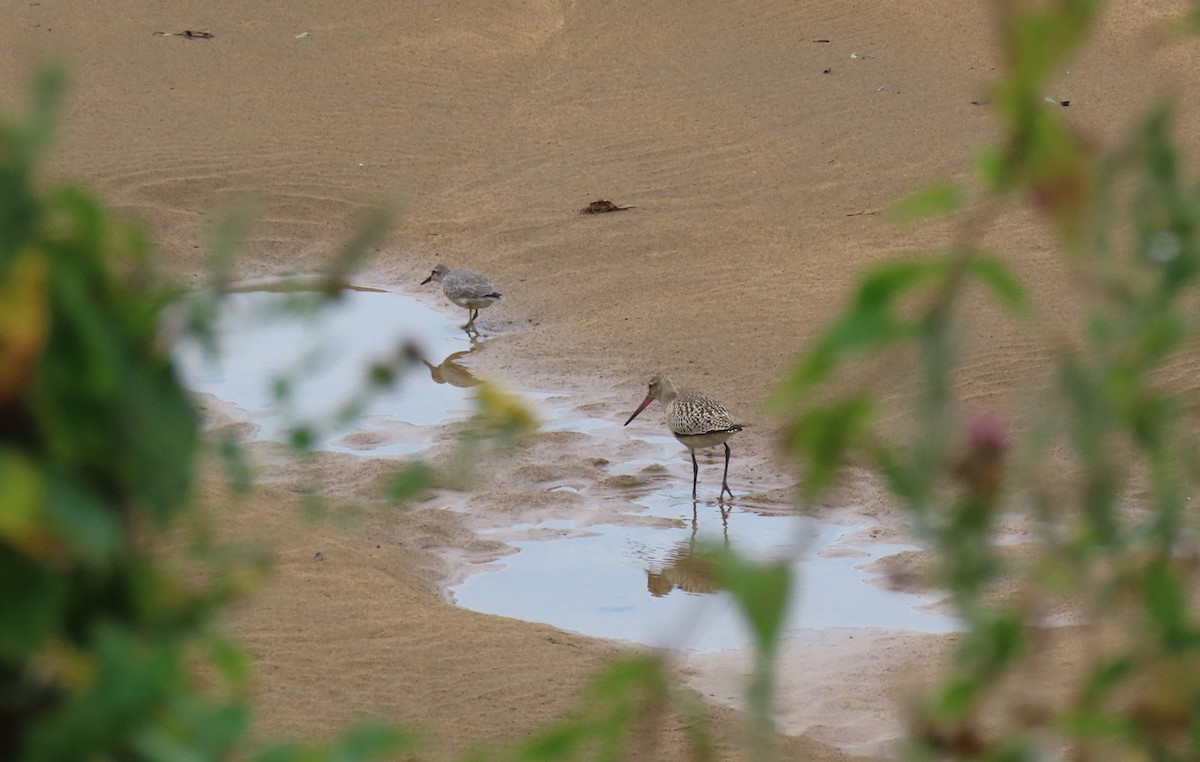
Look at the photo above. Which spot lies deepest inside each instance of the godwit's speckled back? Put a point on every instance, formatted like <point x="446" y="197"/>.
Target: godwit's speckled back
<point x="689" y="414"/>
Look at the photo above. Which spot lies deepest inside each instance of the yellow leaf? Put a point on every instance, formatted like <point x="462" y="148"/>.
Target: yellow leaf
<point x="24" y="322"/>
<point x="500" y="409"/>
<point x="67" y="666"/>
<point x="21" y="503"/>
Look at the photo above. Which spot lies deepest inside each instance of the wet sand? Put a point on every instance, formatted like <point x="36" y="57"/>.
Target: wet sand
<point x="760" y="159"/>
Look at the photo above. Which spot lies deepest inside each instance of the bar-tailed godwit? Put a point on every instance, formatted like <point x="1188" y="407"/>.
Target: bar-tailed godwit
<point x="695" y="420"/>
<point x="466" y="288"/>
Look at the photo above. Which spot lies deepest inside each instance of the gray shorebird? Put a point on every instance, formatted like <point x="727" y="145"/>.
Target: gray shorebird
<point x="695" y="420"/>
<point x="467" y="288"/>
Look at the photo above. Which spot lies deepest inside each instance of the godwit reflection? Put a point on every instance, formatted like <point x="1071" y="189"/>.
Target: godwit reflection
<point x="685" y="567"/>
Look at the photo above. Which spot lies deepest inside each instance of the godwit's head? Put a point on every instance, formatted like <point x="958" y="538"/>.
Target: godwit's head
<point x="660" y="389"/>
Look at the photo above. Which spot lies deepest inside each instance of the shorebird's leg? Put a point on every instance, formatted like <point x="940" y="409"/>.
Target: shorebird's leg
<point x="725" y="476"/>
<point x="471" y="315"/>
<point x="695" y="474"/>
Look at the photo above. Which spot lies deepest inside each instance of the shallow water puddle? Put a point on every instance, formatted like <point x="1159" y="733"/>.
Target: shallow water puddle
<point x="323" y="357"/>
<point x="642" y="581"/>
<point x="634" y="578"/>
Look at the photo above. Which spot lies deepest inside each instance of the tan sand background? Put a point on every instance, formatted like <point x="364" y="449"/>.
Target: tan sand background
<point x="759" y="158"/>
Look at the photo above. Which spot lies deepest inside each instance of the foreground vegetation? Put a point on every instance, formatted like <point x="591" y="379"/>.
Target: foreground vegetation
<point x="108" y="650"/>
<point x="1105" y="464"/>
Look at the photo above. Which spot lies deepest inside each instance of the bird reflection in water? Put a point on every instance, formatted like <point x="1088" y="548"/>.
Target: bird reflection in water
<point x="686" y="567"/>
<point x="450" y="372"/>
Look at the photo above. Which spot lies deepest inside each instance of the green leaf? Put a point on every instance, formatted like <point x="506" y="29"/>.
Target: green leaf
<point x="1107" y="675"/>
<point x="927" y="202"/>
<point x="48" y="93"/>
<point x="88" y="525"/>
<point x="22" y="499"/>
<point x="289" y="751"/>
<point x="907" y="480"/>
<point x="614" y="702"/>
<point x="1001" y="636"/>
<point x="1166" y="602"/>
<point x="237" y="467"/>
<point x="870" y="322"/>
<point x="760" y="589"/>
<point x="232" y="662"/>
<point x="1000" y="279"/>
<point x="992" y="165"/>
<point x="627" y="676"/>
<point x="372" y="741"/>
<point x="302" y="438"/>
<point x="956" y="696"/>
<point x="822" y="438"/>
<point x="369" y="234"/>
<point x="33" y="601"/>
<point x="226" y="232"/>
<point x="411" y="480"/>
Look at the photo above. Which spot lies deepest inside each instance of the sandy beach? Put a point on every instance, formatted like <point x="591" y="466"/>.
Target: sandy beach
<point x="760" y="144"/>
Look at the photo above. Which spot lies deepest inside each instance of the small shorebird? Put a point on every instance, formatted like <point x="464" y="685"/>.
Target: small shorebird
<point x="695" y="420"/>
<point x="466" y="288"/>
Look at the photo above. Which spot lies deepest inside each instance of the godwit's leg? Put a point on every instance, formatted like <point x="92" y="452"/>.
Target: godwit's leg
<point x="695" y="473"/>
<point x="725" y="476"/>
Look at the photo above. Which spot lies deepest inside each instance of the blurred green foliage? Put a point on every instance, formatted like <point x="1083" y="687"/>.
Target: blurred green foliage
<point x="1105" y="464"/>
<point x="110" y="584"/>
<point x="109" y="645"/>
<point x="109" y="650"/>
